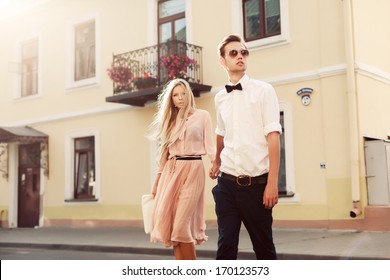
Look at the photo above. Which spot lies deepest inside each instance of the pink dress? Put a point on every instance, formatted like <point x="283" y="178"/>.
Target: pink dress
<point x="179" y="202"/>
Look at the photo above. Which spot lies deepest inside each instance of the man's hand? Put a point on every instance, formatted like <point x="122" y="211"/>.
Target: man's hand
<point x="270" y="197"/>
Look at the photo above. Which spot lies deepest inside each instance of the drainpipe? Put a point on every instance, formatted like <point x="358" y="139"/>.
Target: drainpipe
<point x="352" y="107"/>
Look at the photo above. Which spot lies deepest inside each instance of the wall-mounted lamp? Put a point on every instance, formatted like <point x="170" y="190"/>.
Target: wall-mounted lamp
<point x="305" y="93"/>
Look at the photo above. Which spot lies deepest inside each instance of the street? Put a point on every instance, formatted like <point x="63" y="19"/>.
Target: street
<point x="12" y="253"/>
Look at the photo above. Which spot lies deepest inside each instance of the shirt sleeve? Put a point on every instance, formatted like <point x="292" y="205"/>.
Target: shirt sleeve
<point x="271" y="112"/>
<point x="220" y="129"/>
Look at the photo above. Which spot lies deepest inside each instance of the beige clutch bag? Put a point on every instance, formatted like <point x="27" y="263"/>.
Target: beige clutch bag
<point x="147" y="210"/>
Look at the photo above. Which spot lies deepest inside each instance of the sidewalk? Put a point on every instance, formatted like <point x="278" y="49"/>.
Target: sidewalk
<point x="291" y="244"/>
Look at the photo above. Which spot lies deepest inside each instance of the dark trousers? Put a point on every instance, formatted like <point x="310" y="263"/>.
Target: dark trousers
<point x="235" y="204"/>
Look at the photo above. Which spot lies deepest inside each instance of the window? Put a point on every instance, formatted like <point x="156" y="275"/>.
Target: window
<point x="172" y="31"/>
<point x="171" y="20"/>
<point x="282" y="167"/>
<point x="84" y="167"/>
<point x="286" y="169"/>
<point x="261" y="19"/>
<point x="262" y="23"/>
<point x="29" y="68"/>
<point x="84" y="67"/>
<point x="83" y="52"/>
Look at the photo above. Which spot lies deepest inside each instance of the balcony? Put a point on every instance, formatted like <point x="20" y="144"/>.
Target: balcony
<point x="139" y="76"/>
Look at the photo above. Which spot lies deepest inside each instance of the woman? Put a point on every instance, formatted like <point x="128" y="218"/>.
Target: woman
<point x="185" y="134"/>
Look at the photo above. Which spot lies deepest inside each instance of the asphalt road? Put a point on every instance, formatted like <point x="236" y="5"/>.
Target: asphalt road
<point x="8" y="253"/>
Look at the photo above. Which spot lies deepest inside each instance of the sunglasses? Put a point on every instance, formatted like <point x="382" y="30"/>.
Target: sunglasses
<point x="234" y="53"/>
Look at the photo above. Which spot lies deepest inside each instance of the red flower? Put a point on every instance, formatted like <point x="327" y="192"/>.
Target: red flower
<point x="119" y="74"/>
<point x="177" y="65"/>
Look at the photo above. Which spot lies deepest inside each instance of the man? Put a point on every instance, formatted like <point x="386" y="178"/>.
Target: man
<point x="248" y="155"/>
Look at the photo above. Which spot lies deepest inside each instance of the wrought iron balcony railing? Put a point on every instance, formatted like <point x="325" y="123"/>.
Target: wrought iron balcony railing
<point x="138" y="76"/>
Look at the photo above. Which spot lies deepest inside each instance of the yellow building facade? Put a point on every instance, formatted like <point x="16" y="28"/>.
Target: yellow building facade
<point x="73" y="148"/>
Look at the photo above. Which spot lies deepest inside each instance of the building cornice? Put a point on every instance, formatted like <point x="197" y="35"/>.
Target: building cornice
<point x="360" y="68"/>
<point x="67" y="115"/>
<point x="307" y="75"/>
<point x="372" y="72"/>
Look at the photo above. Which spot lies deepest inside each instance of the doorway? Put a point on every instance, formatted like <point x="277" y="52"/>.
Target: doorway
<point x="29" y="185"/>
<point x="377" y="154"/>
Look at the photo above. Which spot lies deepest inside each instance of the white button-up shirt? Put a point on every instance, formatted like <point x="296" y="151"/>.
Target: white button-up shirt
<point x="244" y="119"/>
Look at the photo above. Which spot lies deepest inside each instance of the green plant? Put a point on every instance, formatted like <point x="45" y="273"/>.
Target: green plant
<point x="146" y="81"/>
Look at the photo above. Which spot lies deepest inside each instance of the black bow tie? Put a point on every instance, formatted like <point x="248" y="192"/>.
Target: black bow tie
<point x="231" y="88"/>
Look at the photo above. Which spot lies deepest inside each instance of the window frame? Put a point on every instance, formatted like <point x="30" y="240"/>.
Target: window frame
<point x="291" y="195"/>
<point x="88" y="69"/>
<point x="238" y="26"/>
<point x="17" y="67"/>
<point x="169" y="19"/>
<point x="70" y="166"/>
<point x="263" y="22"/>
<point x="152" y="21"/>
<point x="78" y="154"/>
<point x="29" y="77"/>
<point x="71" y="81"/>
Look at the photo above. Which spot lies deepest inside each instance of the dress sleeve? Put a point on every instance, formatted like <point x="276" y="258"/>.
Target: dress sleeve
<point x="208" y="137"/>
<point x="160" y="165"/>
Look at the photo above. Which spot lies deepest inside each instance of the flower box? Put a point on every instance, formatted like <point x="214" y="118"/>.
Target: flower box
<point x="144" y="82"/>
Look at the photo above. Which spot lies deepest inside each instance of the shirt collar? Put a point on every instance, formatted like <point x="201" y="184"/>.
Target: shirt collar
<point x="244" y="80"/>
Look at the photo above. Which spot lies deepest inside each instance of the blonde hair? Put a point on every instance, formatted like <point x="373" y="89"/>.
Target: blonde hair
<point x="168" y="118"/>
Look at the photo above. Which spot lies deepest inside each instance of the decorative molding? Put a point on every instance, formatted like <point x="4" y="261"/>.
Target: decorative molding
<point x="360" y="68"/>
<point x="69" y="115"/>
<point x="308" y="75"/>
<point x="334" y="70"/>
<point x="296" y="199"/>
<point x="372" y="72"/>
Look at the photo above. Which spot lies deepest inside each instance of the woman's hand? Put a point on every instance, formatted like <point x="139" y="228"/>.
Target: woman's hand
<point x="214" y="170"/>
<point x="156" y="184"/>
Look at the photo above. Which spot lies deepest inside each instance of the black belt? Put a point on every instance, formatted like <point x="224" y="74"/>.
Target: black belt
<point x="245" y="180"/>
<point x="188" y="158"/>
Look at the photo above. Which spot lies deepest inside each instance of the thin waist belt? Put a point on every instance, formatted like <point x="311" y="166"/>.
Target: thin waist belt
<point x="189" y="158"/>
<point x="245" y="180"/>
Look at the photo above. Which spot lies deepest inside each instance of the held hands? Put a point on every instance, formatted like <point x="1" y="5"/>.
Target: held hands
<point x="214" y="170"/>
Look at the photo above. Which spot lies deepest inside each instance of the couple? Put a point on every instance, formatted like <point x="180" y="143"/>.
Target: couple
<point x="245" y="161"/>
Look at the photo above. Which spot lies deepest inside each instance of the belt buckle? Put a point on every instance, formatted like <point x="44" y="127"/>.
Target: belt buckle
<point x="247" y="184"/>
